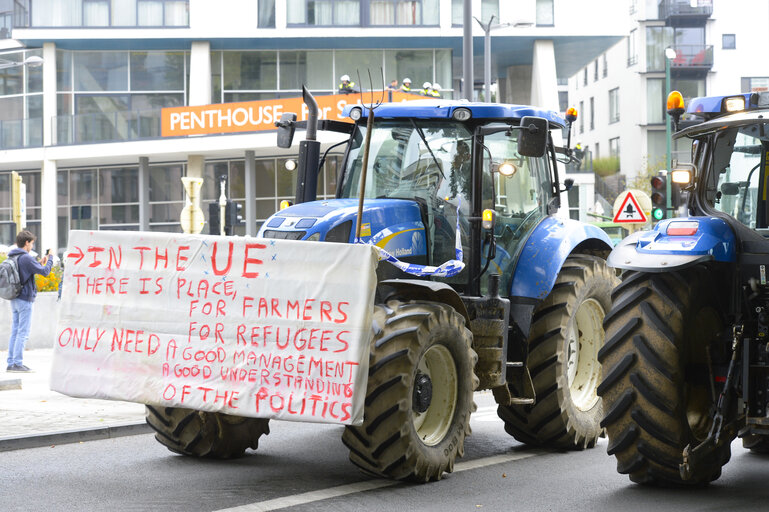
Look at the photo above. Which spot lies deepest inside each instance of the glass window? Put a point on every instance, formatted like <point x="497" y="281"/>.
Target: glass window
<point x="755" y="84"/>
<point x="63" y="71"/>
<point x="82" y="186"/>
<point x="545" y="13"/>
<point x="657" y="39"/>
<point x="457" y="13"/>
<point x="595" y="70"/>
<point x="101" y="71"/>
<point x="729" y="41"/>
<point x="323" y="12"/>
<point x="349" y="61"/>
<point x="252" y="70"/>
<point x="124" y="13"/>
<point x="265" y="178"/>
<point x="157" y="71"/>
<point x="165" y="183"/>
<point x="119" y="185"/>
<point x="95" y="13"/>
<point x="56" y="13"/>
<point x="739" y="153"/>
<point x="34" y="73"/>
<point x="614" y="147"/>
<point x="581" y="117"/>
<point x="489" y="8"/>
<point x="655" y="99"/>
<point x="266" y="14"/>
<point x="150" y="13"/>
<point x="592" y="113"/>
<point x="11" y="78"/>
<point x="632" y="53"/>
<point x="311" y="68"/>
<point x="285" y="180"/>
<point x="614" y="105"/>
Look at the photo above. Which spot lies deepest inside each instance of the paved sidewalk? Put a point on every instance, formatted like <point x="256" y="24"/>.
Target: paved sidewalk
<point x="36" y="412"/>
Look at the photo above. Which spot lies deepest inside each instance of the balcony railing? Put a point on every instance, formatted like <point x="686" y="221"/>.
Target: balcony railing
<point x="684" y="13"/>
<point x="21" y="133"/>
<point x="689" y="57"/>
<point x="107" y="127"/>
<point x="104" y="13"/>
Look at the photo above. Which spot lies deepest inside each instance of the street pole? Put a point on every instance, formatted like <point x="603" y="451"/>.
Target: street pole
<point x="467" y="51"/>
<point x="486" y="57"/>
<point x="668" y="134"/>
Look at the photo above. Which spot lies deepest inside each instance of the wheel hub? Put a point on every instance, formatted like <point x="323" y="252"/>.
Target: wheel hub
<point x="585" y="338"/>
<point x="423" y="392"/>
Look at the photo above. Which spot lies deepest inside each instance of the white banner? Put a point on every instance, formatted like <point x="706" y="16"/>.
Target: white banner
<point x="245" y="326"/>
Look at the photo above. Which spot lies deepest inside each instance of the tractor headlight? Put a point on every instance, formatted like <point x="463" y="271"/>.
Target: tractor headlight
<point x="462" y="114"/>
<point x="356" y="113"/>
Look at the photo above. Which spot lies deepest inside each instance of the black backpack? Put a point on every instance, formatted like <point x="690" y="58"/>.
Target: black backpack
<point x="10" y="281"/>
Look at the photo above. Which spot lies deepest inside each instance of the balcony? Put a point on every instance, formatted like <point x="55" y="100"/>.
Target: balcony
<point x="692" y="60"/>
<point x="681" y="13"/>
<point x="120" y="126"/>
<point x="21" y="133"/>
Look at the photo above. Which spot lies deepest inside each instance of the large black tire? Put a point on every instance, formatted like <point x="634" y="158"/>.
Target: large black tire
<point x="566" y="334"/>
<point x="205" y="434"/>
<point x="756" y="443"/>
<point x="655" y="390"/>
<point x="415" y="427"/>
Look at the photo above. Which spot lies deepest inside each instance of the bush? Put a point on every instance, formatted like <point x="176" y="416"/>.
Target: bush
<point x="606" y="166"/>
<point x="49" y="283"/>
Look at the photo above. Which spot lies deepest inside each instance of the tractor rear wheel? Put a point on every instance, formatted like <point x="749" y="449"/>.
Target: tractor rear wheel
<point x="566" y="334"/>
<point x="205" y="434"/>
<point x="756" y="443"/>
<point x="655" y="389"/>
<point x="420" y="393"/>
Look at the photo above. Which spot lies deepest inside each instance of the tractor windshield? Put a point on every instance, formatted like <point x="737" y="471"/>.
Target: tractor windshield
<point x="412" y="159"/>
<point x="732" y="186"/>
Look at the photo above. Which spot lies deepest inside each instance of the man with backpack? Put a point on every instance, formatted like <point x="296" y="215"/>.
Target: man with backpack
<point x="21" y="306"/>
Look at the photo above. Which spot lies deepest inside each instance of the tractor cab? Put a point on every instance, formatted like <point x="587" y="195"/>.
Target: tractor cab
<point x="433" y="169"/>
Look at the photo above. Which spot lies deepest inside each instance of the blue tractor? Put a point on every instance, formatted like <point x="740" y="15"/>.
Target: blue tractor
<point x="476" y="185"/>
<point x="686" y="361"/>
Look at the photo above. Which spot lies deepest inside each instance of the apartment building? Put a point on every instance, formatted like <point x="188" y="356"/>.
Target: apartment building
<point x="621" y="93"/>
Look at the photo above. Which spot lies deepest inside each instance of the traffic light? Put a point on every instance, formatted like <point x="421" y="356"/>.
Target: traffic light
<point x="659" y="197"/>
<point x="232" y="217"/>
<point x="213" y="219"/>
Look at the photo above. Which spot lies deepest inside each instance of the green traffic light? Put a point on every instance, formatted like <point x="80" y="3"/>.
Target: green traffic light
<point x="657" y="213"/>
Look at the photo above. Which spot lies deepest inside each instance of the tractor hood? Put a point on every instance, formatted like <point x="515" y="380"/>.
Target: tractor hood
<point x="395" y="225"/>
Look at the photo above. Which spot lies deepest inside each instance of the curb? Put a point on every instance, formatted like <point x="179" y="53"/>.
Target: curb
<point x="23" y="442"/>
<point x="8" y="384"/>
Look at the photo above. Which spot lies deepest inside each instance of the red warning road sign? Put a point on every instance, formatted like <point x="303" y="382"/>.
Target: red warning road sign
<point x="629" y="211"/>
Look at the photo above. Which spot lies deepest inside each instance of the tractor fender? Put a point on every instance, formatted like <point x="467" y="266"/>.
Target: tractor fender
<point x="546" y="249"/>
<point x="658" y="251"/>
<point x="416" y="289"/>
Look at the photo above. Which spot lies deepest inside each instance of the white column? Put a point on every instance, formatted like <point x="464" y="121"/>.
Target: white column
<point x="49" y="94"/>
<point x="196" y="165"/>
<point x="200" y="73"/>
<point x="544" y="81"/>
<point x="49" y="233"/>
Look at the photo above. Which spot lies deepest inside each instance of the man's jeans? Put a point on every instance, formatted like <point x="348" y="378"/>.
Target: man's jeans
<point x="22" y="317"/>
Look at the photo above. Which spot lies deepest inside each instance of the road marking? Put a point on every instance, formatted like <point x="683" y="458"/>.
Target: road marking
<point x="370" y="485"/>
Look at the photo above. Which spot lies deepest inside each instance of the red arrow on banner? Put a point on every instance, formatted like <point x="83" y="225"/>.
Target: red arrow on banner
<point x="79" y="255"/>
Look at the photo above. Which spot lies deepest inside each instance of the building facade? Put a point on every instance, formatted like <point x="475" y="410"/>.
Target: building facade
<point x="83" y="82"/>
<point x="621" y="94"/>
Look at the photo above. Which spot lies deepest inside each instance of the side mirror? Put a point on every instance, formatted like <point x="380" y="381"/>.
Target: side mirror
<point x="568" y="184"/>
<point x="532" y="138"/>
<point x="730" y="189"/>
<point x="286" y="128"/>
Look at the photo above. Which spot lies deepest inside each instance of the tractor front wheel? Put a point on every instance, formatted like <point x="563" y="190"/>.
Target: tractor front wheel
<point x="565" y="337"/>
<point x="420" y="393"/>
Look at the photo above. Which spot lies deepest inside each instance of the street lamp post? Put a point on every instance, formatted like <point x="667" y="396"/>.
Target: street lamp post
<point x="670" y="54"/>
<point x="467" y="51"/>
<point x="487" y="28"/>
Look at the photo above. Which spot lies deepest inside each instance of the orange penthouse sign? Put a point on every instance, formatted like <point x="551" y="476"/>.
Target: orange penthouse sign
<point x="250" y="116"/>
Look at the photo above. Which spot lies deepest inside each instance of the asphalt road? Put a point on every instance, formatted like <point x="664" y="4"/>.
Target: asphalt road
<point x="304" y="467"/>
